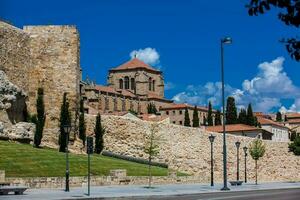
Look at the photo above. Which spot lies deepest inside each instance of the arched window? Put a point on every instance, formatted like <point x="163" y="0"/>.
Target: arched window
<point x="150" y="83"/>
<point x="126" y="80"/>
<point x="132" y="83"/>
<point x="153" y="85"/>
<point x="121" y="83"/>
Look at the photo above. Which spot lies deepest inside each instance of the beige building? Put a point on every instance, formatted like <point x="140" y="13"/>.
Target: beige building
<point x="242" y="130"/>
<point x="133" y="86"/>
<point x="279" y="131"/>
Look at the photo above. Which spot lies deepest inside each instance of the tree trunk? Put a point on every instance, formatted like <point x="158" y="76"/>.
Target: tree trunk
<point x="256" y="172"/>
<point x="149" y="172"/>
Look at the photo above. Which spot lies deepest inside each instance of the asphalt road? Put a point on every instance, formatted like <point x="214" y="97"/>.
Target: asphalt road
<point x="280" y="194"/>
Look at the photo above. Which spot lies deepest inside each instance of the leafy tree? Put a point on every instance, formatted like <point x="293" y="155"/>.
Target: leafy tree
<point x="285" y="118"/>
<point x="209" y="115"/>
<point x="250" y="116"/>
<point x="195" y="117"/>
<point x="82" y="126"/>
<point x="278" y="117"/>
<point x="242" y="116"/>
<point x="152" y="148"/>
<point x="40" y="117"/>
<point x="99" y="133"/>
<point x="289" y="13"/>
<point x="257" y="150"/>
<point x="218" y="120"/>
<point x="231" y="113"/>
<point x="65" y="119"/>
<point x="187" y="121"/>
<point x="151" y="108"/>
<point x="295" y="146"/>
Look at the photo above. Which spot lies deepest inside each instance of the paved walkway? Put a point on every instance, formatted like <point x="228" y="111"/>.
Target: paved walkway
<point x="131" y="190"/>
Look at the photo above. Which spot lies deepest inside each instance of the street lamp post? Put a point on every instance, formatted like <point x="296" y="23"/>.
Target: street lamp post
<point x="226" y="40"/>
<point x="67" y="130"/>
<point x="211" y="139"/>
<point x="245" y="153"/>
<point x="237" y="144"/>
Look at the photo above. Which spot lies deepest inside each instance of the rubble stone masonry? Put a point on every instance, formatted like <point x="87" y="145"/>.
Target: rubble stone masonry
<point x="47" y="57"/>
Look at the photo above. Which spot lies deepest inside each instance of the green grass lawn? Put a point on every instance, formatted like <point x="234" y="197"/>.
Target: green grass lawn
<point x="22" y="160"/>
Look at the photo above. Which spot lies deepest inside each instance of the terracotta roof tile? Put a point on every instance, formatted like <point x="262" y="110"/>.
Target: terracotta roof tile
<point x="134" y="64"/>
<point x="264" y="121"/>
<point x="183" y="106"/>
<point x="232" y="128"/>
<point x="293" y="115"/>
<point x="294" y="121"/>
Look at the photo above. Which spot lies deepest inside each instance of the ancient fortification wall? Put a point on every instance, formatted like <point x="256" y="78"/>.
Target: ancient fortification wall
<point x="43" y="56"/>
<point x="188" y="150"/>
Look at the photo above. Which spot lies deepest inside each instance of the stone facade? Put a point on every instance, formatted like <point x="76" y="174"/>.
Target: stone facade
<point x="188" y="150"/>
<point x="47" y="57"/>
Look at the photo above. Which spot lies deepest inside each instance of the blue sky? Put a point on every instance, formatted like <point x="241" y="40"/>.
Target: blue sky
<point x="186" y="36"/>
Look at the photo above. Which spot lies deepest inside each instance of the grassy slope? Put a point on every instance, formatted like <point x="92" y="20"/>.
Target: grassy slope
<point x="21" y="160"/>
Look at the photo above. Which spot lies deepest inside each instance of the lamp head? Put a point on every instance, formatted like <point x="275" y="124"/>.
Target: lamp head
<point x="211" y="138"/>
<point x="67" y="128"/>
<point x="245" y="149"/>
<point x="237" y="144"/>
<point x="227" y="40"/>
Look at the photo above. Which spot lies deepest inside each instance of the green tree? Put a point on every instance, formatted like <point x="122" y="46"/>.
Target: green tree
<point x="65" y="119"/>
<point x="218" y="120"/>
<point x="187" y="121"/>
<point x="209" y="115"/>
<point x="40" y="117"/>
<point x="278" y="117"/>
<point x="289" y="13"/>
<point x="151" y="148"/>
<point x="195" y="117"/>
<point x="295" y="145"/>
<point x="257" y="150"/>
<point x="285" y="118"/>
<point x="151" y="108"/>
<point x="204" y="121"/>
<point x="250" y="116"/>
<point x="242" y="116"/>
<point x="99" y="133"/>
<point x="231" y="113"/>
<point x="82" y="126"/>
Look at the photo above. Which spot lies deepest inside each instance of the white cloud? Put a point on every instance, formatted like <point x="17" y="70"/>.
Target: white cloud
<point x="169" y="85"/>
<point x="264" y="91"/>
<point x="148" y="55"/>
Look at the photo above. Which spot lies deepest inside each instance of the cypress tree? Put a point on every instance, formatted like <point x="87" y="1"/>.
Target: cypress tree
<point x="195" y="117"/>
<point x="65" y="119"/>
<point x="243" y="116"/>
<point x="278" y="117"/>
<point x="40" y="119"/>
<point x="231" y="113"/>
<point x="209" y="115"/>
<point x="204" y="121"/>
<point x="82" y="126"/>
<point x="99" y="132"/>
<point x="187" y="121"/>
<point x="218" y="118"/>
<point x="250" y="116"/>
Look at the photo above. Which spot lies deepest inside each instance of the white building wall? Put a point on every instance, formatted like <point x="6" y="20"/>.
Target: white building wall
<point x="280" y="134"/>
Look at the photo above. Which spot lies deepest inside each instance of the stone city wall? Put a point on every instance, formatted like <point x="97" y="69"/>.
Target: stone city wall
<point x="47" y="57"/>
<point x="188" y="150"/>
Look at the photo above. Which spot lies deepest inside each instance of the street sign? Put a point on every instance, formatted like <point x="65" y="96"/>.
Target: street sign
<point x="89" y="145"/>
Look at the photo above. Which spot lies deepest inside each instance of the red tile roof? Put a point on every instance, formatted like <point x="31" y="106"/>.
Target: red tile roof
<point x="293" y="115"/>
<point x="293" y="121"/>
<point x="264" y="121"/>
<point x="232" y="128"/>
<point x="152" y="95"/>
<point x="135" y="64"/>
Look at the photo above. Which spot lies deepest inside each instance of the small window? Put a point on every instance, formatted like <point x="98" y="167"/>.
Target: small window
<point x="153" y="85"/>
<point x="180" y="112"/>
<point x="180" y="122"/>
<point x="174" y="122"/>
<point x="121" y="83"/>
<point x="167" y="112"/>
<point x="174" y="112"/>
<point x="132" y="83"/>
<point x="150" y="83"/>
<point x="126" y="82"/>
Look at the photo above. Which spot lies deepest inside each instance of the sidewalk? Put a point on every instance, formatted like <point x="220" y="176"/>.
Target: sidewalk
<point x="127" y="191"/>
